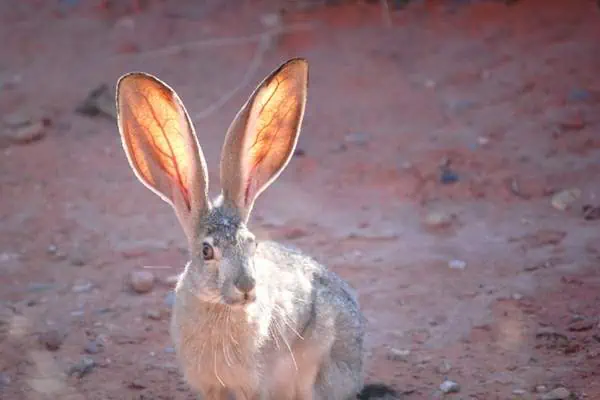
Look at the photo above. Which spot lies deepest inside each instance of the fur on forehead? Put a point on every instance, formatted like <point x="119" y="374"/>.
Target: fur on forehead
<point x="222" y="224"/>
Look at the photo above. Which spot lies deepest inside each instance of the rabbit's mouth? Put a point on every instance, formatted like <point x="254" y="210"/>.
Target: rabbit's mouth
<point x="240" y="301"/>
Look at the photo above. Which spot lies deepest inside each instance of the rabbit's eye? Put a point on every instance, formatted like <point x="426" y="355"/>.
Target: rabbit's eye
<point x="207" y="251"/>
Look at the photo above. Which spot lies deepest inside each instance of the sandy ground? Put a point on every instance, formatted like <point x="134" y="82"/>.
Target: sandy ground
<point x="478" y="116"/>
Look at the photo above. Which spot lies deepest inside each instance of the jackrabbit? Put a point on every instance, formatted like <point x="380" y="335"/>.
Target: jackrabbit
<point x="252" y="319"/>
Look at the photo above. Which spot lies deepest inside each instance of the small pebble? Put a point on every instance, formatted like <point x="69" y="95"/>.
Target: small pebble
<point x="457" y="264"/>
<point x="565" y="198"/>
<point x="83" y="367"/>
<point x="83" y="287"/>
<point x="152" y="314"/>
<point x="448" y="176"/>
<point x="438" y="219"/>
<point x="28" y="133"/>
<point x="482" y="140"/>
<point x="398" y="354"/>
<point x="52" y="249"/>
<point x="92" y="347"/>
<point x="517" y="296"/>
<point x="449" y="387"/>
<point x="142" y="281"/>
<point x="560" y="393"/>
<point x="171" y="279"/>
<point x="52" y="339"/>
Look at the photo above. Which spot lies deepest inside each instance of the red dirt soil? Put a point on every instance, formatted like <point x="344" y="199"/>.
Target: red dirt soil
<point x="509" y="96"/>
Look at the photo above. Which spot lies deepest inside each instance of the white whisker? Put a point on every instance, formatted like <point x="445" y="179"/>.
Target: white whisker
<point x="287" y="321"/>
<point x="289" y="349"/>
<point x="215" y="367"/>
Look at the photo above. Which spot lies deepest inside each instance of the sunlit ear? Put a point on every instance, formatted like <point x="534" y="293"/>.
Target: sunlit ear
<point x="161" y="145"/>
<point x="262" y="137"/>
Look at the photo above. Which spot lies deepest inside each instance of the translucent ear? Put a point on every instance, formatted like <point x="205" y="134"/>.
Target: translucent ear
<point x="263" y="135"/>
<point x="161" y="146"/>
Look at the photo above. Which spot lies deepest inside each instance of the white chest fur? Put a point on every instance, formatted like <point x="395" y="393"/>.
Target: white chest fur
<point x="216" y="349"/>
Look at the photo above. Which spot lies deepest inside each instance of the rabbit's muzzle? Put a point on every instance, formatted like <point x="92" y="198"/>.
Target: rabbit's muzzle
<point x="242" y="290"/>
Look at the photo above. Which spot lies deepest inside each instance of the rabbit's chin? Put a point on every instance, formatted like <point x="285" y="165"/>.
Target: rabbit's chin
<point x="209" y="297"/>
<point x="221" y="300"/>
<point x="237" y="303"/>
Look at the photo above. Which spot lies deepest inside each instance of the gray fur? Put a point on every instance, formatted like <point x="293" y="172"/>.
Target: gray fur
<point x="301" y="339"/>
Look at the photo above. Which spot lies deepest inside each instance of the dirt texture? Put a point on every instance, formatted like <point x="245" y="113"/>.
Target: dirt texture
<point x="448" y="168"/>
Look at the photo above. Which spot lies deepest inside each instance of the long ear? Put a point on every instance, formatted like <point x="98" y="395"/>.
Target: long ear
<point x="263" y="135"/>
<point x="161" y="146"/>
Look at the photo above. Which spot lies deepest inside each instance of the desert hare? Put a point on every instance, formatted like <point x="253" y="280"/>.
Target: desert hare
<point x="252" y="319"/>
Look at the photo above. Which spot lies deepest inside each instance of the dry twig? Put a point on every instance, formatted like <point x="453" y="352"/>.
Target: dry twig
<point x="385" y="11"/>
<point x="263" y="46"/>
<point x="265" y="40"/>
<point x="214" y="42"/>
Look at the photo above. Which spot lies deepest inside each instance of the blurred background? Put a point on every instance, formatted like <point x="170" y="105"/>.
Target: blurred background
<point x="448" y="167"/>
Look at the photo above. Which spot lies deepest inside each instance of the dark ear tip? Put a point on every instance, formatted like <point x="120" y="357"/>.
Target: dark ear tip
<point x="299" y="63"/>
<point x="295" y="62"/>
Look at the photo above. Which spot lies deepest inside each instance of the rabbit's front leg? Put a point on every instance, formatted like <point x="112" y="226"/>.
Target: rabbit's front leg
<point x="305" y="382"/>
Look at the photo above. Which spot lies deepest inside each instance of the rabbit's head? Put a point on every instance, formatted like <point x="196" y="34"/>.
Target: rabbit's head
<point x="163" y="150"/>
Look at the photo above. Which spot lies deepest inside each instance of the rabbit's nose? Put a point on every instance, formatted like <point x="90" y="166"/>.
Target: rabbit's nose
<point x="245" y="284"/>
